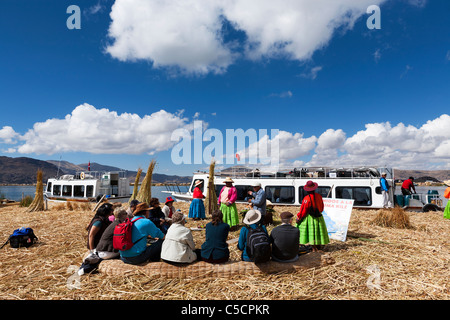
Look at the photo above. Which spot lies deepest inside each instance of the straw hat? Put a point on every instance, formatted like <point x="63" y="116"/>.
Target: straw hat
<point x="252" y="216"/>
<point x="141" y="207"/>
<point x="228" y="179"/>
<point x="199" y="182"/>
<point x="310" y="186"/>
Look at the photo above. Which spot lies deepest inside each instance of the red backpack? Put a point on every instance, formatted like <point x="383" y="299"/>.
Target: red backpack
<point x="122" y="235"/>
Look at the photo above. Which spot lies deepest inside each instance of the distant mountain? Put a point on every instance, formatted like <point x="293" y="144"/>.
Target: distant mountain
<point x="431" y="175"/>
<point x="24" y="170"/>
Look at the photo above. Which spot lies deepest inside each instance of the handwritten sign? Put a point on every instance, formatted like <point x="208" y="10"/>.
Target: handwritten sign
<point x="337" y="213"/>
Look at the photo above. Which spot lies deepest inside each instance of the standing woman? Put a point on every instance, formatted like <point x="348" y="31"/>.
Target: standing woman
<point x="227" y="202"/>
<point x="197" y="208"/>
<point x="98" y="225"/>
<point x="447" y="195"/>
<point x="310" y="221"/>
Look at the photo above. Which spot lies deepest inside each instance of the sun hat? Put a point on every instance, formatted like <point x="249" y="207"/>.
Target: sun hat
<point x="199" y="182"/>
<point x="178" y="217"/>
<point x="141" y="207"/>
<point x="252" y="216"/>
<point x="310" y="186"/>
<point x="228" y="179"/>
<point x="169" y="199"/>
<point x="256" y="184"/>
<point x="286" y="215"/>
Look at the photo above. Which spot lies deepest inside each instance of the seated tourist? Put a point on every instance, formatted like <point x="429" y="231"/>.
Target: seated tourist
<point x="285" y="240"/>
<point x="251" y="219"/>
<point x="179" y="246"/>
<point x="168" y="209"/>
<point x="143" y="228"/>
<point x="98" y="225"/>
<point x="105" y="249"/>
<point x="215" y="247"/>
<point x="131" y="208"/>
<point x="157" y="216"/>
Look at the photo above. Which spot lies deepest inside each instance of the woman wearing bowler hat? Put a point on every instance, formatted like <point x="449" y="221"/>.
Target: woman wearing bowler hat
<point x="227" y="202"/>
<point x="312" y="227"/>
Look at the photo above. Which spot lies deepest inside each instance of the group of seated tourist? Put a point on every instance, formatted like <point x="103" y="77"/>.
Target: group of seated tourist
<point x="160" y="234"/>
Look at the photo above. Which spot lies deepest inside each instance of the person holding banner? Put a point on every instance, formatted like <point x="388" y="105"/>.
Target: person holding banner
<point x="310" y="221"/>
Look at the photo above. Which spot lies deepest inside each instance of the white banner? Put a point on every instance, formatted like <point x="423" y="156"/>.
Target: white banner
<point x="337" y="214"/>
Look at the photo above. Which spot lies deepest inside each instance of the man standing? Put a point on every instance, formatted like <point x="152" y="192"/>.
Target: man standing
<point x="408" y="187"/>
<point x="385" y="191"/>
<point x="259" y="200"/>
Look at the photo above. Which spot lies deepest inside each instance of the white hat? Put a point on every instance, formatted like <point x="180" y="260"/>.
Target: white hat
<point x="198" y="182"/>
<point x="252" y="216"/>
<point x="256" y="184"/>
<point x="228" y="179"/>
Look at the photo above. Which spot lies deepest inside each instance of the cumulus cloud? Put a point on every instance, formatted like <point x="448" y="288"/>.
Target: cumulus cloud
<point x="8" y="135"/>
<point x="189" y="34"/>
<point x="102" y="131"/>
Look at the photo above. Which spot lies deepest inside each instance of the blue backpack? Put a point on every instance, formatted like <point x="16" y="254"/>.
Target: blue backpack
<point x="22" y="237"/>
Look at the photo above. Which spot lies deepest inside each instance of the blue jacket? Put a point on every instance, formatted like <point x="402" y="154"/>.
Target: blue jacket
<point x="215" y="246"/>
<point x="259" y="203"/>
<point x="384" y="184"/>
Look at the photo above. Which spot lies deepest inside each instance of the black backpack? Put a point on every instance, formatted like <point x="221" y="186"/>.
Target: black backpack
<point x="22" y="237"/>
<point x="258" y="245"/>
<point x="314" y="212"/>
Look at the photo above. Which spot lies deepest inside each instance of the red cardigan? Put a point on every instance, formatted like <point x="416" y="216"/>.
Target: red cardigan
<point x="306" y="204"/>
<point x="197" y="193"/>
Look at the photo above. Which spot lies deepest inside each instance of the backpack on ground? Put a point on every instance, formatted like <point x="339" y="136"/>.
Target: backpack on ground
<point x="22" y="237"/>
<point x="122" y="235"/>
<point x="258" y="245"/>
<point x="313" y="211"/>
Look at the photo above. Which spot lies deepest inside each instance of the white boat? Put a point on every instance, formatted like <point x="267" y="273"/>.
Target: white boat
<point x="286" y="188"/>
<point x="88" y="186"/>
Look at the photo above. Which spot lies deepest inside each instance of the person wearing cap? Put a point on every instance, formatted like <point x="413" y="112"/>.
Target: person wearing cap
<point x="385" y="191"/>
<point x="143" y="228"/>
<point x="313" y="230"/>
<point x="227" y="202"/>
<point x="251" y="219"/>
<point x="285" y="240"/>
<point x="259" y="199"/>
<point x="168" y="209"/>
<point x="197" y="208"/>
<point x="132" y="207"/>
<point x="408" y="187"/>
<point x="179" y="246"/>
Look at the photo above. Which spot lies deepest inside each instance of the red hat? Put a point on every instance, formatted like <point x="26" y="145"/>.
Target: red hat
<point x="169" y="199"/>
<point x="310" y="186"/>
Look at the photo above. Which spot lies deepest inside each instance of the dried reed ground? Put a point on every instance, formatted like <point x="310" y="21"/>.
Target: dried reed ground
<point x="413" y="264"/>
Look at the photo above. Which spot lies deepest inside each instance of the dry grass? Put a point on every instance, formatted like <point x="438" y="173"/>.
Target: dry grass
<point x="413" y="264"/>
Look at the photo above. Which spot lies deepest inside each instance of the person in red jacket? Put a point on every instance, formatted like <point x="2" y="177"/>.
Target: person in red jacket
<point x="311" y="223"/>
<point x="408" y="186"/>
<point x="197" y="208"/>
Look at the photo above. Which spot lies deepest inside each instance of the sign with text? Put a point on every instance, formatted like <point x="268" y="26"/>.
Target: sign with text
<point x="337" y="214"/>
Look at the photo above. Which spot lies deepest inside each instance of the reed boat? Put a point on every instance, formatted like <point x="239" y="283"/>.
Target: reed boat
<point x="285" y="188"/>
<point x="88" y="186"/>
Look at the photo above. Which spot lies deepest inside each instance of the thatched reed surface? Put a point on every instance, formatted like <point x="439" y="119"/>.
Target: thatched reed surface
<point x="412" y="263"/>
<point x="202" y="269"/>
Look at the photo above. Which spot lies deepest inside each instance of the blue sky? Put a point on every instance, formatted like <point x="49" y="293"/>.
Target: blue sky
<point x="137" y="70"/>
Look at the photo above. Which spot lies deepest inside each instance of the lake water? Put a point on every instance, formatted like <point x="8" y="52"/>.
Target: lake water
<point x="16" y="192"/>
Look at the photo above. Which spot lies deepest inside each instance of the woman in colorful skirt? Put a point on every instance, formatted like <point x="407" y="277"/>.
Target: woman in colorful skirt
<point x="447" y="195"/>
<point x="313" y="230"/>
<point x="197" y="208"/>
<point x="226" y="200"/>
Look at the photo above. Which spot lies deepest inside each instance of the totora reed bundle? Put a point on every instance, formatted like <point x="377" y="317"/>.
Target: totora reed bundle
<point x="136" y="185"/>
<point x="211" y="197"/>
<point x="38" y="202"/>
<point x="392" y="218"/>
<point x="145" y="192"/>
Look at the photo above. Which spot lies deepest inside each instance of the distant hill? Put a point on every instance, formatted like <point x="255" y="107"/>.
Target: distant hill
<point x="431" y="175"/>
<point x="23" y="171"/>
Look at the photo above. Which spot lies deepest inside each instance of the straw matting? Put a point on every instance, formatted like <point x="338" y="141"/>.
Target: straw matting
<point x="229" y="269"/>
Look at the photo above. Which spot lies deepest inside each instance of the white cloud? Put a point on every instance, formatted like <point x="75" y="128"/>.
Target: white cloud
<point x="311" y="74"/>
<point x="188" y="34"/>
<point x="8" y="135"/>
<point x="102" y="131"/>
<point x="284" y="94"/>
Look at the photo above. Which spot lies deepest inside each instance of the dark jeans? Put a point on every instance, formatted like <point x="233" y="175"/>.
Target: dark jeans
<point x="406" y="192"/>
<point x="152" y="253"/>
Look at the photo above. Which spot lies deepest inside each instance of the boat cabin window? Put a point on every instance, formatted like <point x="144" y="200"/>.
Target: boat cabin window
<point x="361" y="195"/>
<point x="67" y="191"/>
<point x="202" y="187"/>
<point x="218" y="187"/>
<point x="280" y="194"/>
<point x="89" y="191"/>
<point x="49" y="187"/>
<point x="242" y="192"/>
<point x="56" y="190"/>
<point x="324" y="191"/>
<point x="78" y="191"/>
